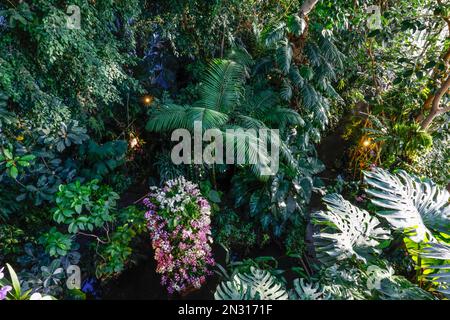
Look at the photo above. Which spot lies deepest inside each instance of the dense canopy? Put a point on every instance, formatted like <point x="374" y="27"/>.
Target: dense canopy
<point x="240" y="149"/>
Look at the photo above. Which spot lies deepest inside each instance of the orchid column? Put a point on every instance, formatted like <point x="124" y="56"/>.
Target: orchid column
<point x="179" y="223"/>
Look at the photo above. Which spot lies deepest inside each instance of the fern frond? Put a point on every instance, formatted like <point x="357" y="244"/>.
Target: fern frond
<point x="167" y="170"/>
<point x="310" y="97"/>
<point x="296" y="25"/>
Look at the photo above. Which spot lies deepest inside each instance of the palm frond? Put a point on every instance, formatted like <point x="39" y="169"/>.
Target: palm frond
<point x="283" y="56"/>
<point x="222" y="85"/>
<point x="274" y="34"/>
<point x="295" y="76"/>
<point x="282" y="117"/>
<point x="248" y="122"/>
<point x="169" y="117"/>
<point x="261" y="101"/>
<point x="286" y="90"/>
<point x="210" y="119"/>
<point x="241" y="56"/>
<point x="313" y="53"/>
<point x="331" y="53"/>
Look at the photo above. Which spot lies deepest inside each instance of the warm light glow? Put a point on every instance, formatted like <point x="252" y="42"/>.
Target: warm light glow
<point x="147" y="100"/>
<point x="133" y="143"/>
<point x="366" y="143"/>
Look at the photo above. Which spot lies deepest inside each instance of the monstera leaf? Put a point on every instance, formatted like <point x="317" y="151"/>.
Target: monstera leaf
<point x="346" y="231"/>
<point x="409" y="204"/>
<point x="385" y="285"/>
<point x="439" y="251"/>
<point x="307" y="291"/>
<point x="232" y="290"/>
<point x="256" y="285"/>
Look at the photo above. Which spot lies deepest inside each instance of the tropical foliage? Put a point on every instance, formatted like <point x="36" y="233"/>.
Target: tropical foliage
<point x="346" y="102"/>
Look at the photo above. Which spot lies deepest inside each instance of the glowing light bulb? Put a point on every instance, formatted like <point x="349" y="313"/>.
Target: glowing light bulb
<point x="147" y="100"/>
<point x="366" y="143"/>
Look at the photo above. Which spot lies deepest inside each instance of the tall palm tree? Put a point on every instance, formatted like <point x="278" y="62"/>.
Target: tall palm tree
<point x="227" y="102"/>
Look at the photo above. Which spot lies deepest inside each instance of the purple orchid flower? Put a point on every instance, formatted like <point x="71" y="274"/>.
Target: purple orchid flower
<point x="4" y="291"/>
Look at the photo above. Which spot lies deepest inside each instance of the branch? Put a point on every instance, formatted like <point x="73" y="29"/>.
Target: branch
<point x="307" y="7"/>
<point x="434" y="76"/>
<point x="444" y="110"/>
<point x="92" y="235"/>
<point x="435" y="110"/>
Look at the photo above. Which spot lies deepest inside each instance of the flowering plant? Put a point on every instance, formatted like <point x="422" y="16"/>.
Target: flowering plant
<point x="179" y="223"/>
<point x="4" y="289"/>
<point x="12" y="290"/>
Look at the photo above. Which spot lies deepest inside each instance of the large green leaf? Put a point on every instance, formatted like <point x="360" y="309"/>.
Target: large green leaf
<point x="409" y="204"/>
<point x="347" y="231"/>
<point x="255" y="285"/>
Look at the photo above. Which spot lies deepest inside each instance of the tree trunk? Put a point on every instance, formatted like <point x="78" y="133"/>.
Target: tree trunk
<point x="436" y="110"/>
<point x="307" y="7"/>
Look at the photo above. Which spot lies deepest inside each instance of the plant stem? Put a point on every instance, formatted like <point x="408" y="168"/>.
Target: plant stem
<point x="419" y="266"/>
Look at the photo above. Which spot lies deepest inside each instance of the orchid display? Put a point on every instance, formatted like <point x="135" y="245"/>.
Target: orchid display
<point x="179" y="223"/>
